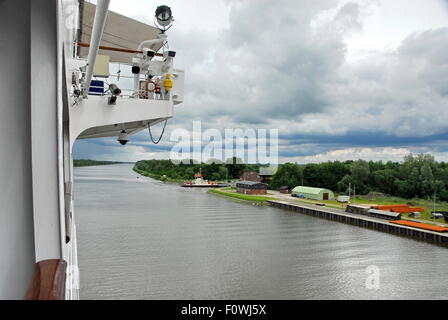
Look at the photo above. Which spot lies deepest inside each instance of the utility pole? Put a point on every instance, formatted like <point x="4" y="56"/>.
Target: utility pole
<point x="434" y="212"/>
<point x="354" y="193"/>
<point x="349" y="191"/>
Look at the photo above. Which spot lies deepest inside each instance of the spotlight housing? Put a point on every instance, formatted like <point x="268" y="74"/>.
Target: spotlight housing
<point x="164" y="18"/>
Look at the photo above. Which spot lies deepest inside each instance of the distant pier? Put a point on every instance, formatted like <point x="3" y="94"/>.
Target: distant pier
<point x="363" y="221"/>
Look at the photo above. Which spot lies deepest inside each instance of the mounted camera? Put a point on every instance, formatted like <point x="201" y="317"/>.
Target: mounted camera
<point x="115" y="92"/>
<point x="149" y="53"/>
<point x="123" y="138"/>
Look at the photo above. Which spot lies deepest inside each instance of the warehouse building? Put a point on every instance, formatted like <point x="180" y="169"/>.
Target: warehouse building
<point x="313" y="193"/>
<point x="250" y="176"/>
<point x="251" y="187"/>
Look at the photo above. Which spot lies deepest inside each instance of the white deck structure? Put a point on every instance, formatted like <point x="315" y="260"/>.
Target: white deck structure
<point x="46" y="106"/>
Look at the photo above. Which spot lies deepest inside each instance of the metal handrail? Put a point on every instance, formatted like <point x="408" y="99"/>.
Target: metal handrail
<point x="133" y="94"/>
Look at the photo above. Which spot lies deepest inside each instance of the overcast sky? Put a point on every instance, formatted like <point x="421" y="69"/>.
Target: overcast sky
<point x="339" y="79"/>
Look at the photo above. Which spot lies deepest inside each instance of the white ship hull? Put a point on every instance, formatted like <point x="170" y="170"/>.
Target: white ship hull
<point x="41" y="119"/>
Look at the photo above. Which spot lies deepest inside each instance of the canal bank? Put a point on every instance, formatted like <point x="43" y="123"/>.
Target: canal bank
<point x="260" y="200"/>
<point x="363" y="221"/>
<point x="285" y="202"/>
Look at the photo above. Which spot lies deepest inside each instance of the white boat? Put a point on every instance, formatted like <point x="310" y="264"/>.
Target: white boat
<point x="50" y="52"/>
<point x="199" y="182"/>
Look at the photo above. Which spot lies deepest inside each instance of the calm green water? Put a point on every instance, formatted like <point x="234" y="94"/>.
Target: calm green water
<point x="142" y="239"/>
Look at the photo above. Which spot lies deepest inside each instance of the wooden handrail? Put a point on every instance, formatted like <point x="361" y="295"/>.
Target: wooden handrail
<point x="125" y="50"/>
<point x="48" y="281"/>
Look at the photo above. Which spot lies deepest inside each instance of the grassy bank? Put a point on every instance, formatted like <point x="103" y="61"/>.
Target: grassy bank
<point x="229" y="192"/>
<point x="156" y="176"/>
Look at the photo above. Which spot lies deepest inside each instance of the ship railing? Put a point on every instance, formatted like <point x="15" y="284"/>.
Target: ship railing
<point x="126" y="92"/>
<point x="99" y="87"/>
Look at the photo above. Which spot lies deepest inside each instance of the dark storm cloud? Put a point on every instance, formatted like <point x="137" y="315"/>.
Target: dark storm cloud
<point x="368" y="139"/>
<point x="269" y="63"/>
<point x="276" y="66"/>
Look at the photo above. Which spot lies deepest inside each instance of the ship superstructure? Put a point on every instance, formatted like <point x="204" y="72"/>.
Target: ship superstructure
<point x="72" y="70"/>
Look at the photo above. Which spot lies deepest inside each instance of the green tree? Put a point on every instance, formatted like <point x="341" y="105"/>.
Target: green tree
<point x="223" y="172"/>
<point x="216" y="176"/>
<point x="236" y="167"/>
<point x="427" y="180"/>
<point x="414" y="184"/>
<point x="311" y="175"/>
<point x="343" y="185"/>
<point x="289" y="174"/>
<point x="384" y="181"/>
<point x="360" y="172"/>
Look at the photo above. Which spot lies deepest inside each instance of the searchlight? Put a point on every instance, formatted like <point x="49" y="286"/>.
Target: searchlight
<point x="164" y="18"/>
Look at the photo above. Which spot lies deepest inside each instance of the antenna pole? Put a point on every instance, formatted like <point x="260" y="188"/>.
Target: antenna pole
<point x="97" y="33"/>
<point x="349" y="190"/>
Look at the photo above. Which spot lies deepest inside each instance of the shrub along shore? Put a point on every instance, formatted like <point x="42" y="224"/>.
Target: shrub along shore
<point x="228" y="193"/>
<point x="90" y="163"/>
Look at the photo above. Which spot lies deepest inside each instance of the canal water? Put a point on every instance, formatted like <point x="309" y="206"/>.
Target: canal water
<point x="143" y="239"/>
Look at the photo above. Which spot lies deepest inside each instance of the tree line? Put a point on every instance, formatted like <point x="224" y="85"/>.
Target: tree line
<point x="212" y="170"/>
<point x="88" y="163"/>
<point x="416" y="177"/>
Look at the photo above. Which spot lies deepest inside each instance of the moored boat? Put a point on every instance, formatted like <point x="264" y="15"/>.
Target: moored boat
<point x="200" y="182"/>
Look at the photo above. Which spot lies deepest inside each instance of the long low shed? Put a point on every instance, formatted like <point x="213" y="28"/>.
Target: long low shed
<point x="313" y="193"/>
<point x="366" y="211"/>
<point x="384" y="214"/>
<point x="353" y="208"/>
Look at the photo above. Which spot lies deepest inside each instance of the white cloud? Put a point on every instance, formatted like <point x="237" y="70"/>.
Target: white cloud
<point x="374" y="154"/>
<point x="321" y="67"/>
